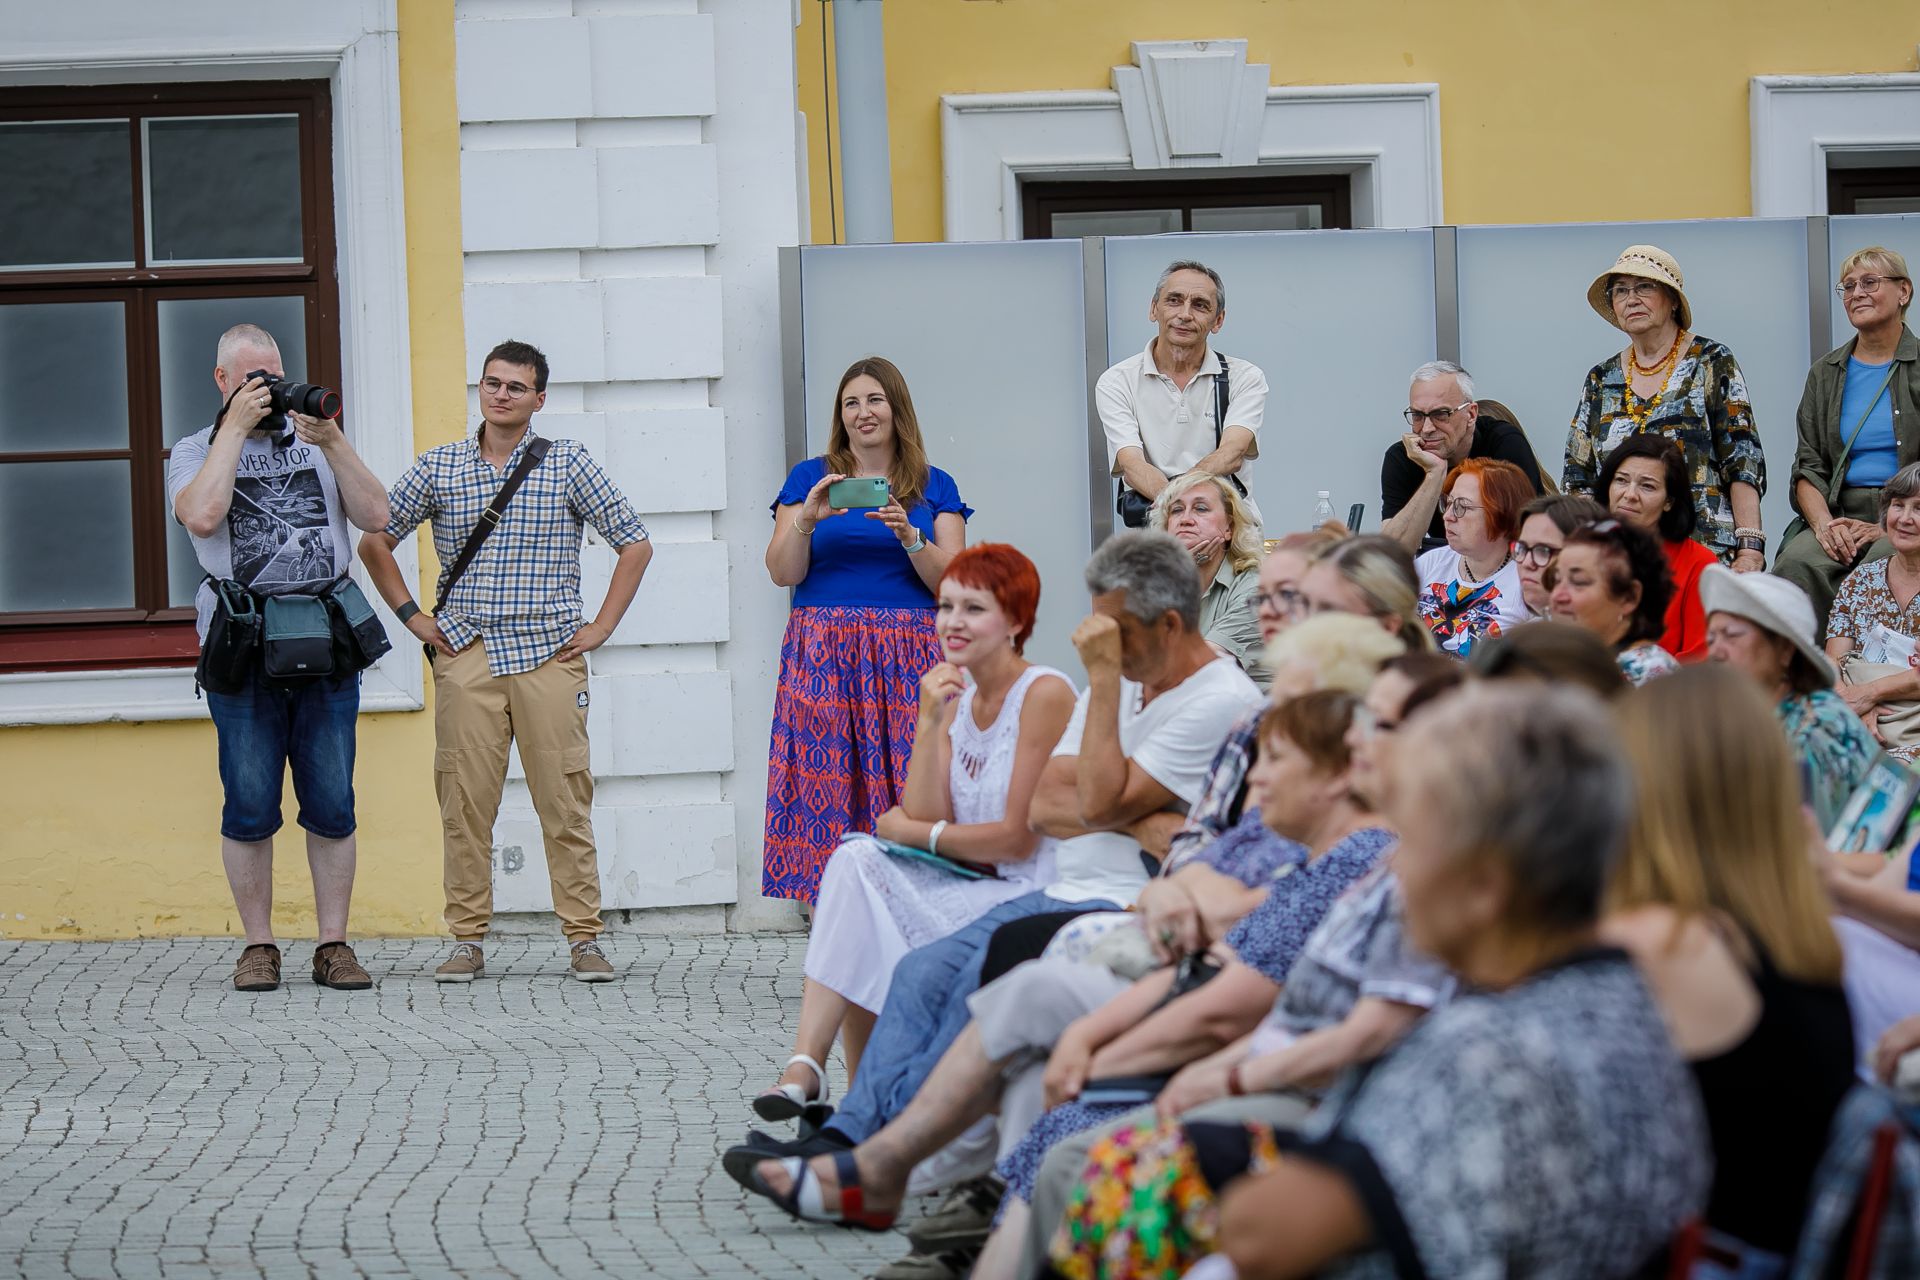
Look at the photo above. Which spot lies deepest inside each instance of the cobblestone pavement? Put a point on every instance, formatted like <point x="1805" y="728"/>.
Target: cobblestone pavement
<point x="155" y="1122"/>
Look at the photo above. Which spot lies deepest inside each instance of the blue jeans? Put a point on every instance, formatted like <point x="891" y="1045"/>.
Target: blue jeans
<point x="266" y="727"/>
<point x="925" y="1012"/>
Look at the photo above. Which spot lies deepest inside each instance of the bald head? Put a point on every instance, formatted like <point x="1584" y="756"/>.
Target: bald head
<point x="243" y="348"/>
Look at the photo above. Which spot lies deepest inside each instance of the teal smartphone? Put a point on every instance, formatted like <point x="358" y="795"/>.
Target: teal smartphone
<point x="861" y="492"/>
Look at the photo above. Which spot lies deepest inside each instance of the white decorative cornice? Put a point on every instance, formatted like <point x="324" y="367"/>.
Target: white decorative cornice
<point x="1192" y="103"/>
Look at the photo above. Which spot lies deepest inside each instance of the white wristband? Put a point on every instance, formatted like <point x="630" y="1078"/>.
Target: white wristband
<point x="933" y="836"/>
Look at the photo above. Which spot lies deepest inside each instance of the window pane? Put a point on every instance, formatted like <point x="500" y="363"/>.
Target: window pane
<point x="190" y="330"/>
<point x="68" y="197"/>
<point x="1115" y="222"/>
<point x="223" y="189"/>
<point x="64" y="368"/>
<point x="1259" y="217"/>
<point x="69" y="530"/>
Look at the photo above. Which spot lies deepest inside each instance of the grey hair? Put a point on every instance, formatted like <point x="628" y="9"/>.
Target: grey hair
<point x="1156" y="572"/>
<point x="1534" y="776"/>
<point x="1185" y="264"/>
<point x="1904" y="484"/>
<point x="1433" y="369"/>
<point x="242" y="337"/>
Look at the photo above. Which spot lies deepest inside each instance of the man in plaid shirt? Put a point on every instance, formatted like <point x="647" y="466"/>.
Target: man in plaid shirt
<point x="511" y="648"/>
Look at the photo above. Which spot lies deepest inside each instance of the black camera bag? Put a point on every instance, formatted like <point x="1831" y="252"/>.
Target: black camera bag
<point x="231" y="651"/>
<point x="359" y="639"/>
<point x="297" y="638"/>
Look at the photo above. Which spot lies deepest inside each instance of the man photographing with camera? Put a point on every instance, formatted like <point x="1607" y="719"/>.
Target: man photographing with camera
<point x="268" y="510"/>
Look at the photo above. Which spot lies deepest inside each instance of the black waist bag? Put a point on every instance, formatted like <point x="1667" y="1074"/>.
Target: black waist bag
<point x="296" y="641"/>
<point x="359" y="638"/>
<point x="231" y="651"/>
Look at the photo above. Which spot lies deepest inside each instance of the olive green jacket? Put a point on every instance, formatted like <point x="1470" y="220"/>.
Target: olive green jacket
<point x="1823" y="435"/>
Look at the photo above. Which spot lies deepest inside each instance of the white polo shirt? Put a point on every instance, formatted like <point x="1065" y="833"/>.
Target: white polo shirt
<point x="1141" y="406"/>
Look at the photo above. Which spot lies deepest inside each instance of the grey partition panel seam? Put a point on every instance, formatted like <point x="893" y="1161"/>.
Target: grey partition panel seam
<point x="793" y="362"/>
<point x="1446" y="293"/>
<point x="1819" y="300"/>
<point x="1093" y="273"/>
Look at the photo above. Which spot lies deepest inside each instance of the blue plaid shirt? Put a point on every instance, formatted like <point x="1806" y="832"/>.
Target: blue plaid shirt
<point x="521" y="594"/>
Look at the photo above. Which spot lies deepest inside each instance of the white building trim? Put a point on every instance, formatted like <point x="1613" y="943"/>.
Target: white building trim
<point x="1188" y="105"/>
<point x="1803" y="125"/>
<point x="355" y="45"/>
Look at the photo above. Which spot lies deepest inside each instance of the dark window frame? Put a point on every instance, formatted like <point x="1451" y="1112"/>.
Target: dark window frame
<point x="1040" y="199"/>
<point x="154" y="633"/>
<point x="1846" y="186"/>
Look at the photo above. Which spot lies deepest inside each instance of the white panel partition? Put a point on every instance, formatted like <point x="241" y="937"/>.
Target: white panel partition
<point x="1899" y="232"/>
<point x="1337" y="319"/>
<point x="992" y="340"/>
<point x="1529" y="337"/>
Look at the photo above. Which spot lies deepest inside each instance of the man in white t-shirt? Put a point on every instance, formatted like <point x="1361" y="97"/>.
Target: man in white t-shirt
<point x="1160" y="408"/>
<point x="1159" y="703"/>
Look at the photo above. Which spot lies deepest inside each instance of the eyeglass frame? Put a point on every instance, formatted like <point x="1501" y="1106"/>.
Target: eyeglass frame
<point x="1860" y="285"/>
<point x="508" y="387"/>
<point x="1459" y="508"/>
<point x="1289" y="600"/>
<point x="1641" y="288"/>
<point x="1524" y="553"/>
<point x="1439" y="417"/>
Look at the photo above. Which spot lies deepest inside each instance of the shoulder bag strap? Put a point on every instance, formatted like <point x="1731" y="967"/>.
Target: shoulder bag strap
<point x="1839" y="477"/>
<point x="490" y="518"/>
<point x="1220" y="416"/>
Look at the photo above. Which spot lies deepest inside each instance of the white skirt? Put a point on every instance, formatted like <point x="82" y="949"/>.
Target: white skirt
<point x="874" y="908"/>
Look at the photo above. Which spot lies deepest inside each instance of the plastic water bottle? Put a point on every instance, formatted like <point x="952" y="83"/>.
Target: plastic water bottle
<point x="1322" y="508"/>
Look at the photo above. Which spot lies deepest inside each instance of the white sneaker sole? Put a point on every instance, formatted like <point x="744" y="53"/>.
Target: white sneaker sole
<point x="593" y="977"/>
<point x="457" y="977"/>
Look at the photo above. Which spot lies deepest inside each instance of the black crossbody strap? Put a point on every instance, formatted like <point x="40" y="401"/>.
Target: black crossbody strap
<point x="1220" y="416"/>
<point x="490" y="518"/>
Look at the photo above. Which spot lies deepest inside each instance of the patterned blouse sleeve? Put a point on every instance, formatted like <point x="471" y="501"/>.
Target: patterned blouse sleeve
<point x="1582" y="465"/>
<point x="1736" y="441"/>
<point x="1851" y="617"/>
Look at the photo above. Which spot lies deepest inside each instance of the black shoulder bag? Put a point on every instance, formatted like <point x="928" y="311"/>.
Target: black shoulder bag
<point x="488" y="522"/>
<point x="1132" y="506"/>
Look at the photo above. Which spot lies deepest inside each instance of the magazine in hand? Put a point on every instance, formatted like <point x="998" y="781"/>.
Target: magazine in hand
<point x="952" y="866"/>
<point x="1878" y="809"/>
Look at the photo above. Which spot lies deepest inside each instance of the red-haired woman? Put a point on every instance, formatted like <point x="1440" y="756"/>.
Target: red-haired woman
<point x="1470" y="589"/>
<point x="861" y="632"/>
<point x="982" y="746"/>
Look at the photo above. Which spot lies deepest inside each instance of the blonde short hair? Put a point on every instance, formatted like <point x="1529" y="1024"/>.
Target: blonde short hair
<point x="1244" y="547"/>
<point x="1881" y="259"/>
<point x="1346" y="650"/>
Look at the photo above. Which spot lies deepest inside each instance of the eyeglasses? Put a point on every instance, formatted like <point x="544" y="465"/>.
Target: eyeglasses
<point x="514" y="390"/>
<point x="1286" y="601"/>
<point x="1370" y="724"/>
<point x="1439" y="417"/>
<point x="1459" y="508"/>
<point x="1534" y="555"/>
<point x="1642" y="289"/>
<point x="1863" y="284"/>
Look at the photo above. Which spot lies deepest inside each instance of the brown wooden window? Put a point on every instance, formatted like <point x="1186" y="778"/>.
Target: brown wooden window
<point x="1883" y="190"/>
<point x="137" y="223"/>
<point x="1128" y="207"/>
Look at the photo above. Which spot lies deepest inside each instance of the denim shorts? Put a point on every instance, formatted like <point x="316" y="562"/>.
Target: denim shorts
<point x="266" y="727"/>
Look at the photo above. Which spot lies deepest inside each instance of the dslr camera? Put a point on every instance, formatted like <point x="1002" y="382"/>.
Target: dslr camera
<point x="293" y="397"/>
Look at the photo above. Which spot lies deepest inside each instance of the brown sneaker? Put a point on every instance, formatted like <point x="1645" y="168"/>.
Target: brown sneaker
<point x="590" y="963"/>
<point x="335" y="965"/>
<point x="258" y="968"/>
<point x="464" y="965"/>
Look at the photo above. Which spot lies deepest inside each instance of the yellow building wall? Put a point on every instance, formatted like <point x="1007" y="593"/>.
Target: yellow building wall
<point x="112" y="831"/>
<point x="1550" y="110"/>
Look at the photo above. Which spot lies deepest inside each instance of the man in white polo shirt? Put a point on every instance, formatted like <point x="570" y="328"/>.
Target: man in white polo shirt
<point x="1162" y="409"/>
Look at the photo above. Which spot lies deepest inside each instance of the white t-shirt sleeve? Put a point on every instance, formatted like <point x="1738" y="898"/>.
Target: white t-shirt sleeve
<point x="183" y="464"/>
<point x="1113" y="395"/>
<point x="1442" y="564"/>
<point x="1178" y="747"/>
<point x="1246" y="399"/>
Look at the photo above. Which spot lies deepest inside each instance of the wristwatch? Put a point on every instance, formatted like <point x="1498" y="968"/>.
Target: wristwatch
<point x="1750" y="540"/>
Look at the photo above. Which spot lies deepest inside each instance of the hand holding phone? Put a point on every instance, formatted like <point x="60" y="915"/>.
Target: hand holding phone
<point x="860" y="493"/>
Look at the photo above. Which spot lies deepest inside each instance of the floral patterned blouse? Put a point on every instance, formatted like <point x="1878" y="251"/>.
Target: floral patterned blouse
<point x="1832" y="746"/>
<point x="1867" y="599"/>
<point x="1703" y="407"/>
<point x="1642" y="662"/>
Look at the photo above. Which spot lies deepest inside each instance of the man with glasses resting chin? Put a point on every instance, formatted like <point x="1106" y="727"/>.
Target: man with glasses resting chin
<point x="1444" y="428"/>
<point x="509" y="646"/>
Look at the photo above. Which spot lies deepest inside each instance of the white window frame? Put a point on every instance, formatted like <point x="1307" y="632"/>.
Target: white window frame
<point x="355" y="45"/>
<point x="1801" y="123"/>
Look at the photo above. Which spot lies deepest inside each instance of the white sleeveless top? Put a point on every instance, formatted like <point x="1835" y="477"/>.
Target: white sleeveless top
<point x="982" y="770"/>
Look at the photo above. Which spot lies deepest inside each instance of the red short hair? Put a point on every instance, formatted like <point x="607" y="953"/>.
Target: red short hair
<point x="1009" y="575"/>
<point x="1504" y="489"/>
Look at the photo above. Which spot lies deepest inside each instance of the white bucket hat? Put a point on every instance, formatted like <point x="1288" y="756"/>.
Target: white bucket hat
<point x="1768" y="602"/>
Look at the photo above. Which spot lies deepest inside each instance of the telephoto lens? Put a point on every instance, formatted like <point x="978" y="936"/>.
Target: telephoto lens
<point x="305" y="398"/>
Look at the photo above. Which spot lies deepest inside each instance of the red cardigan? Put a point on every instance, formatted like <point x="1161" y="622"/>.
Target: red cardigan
<point x="1686" y="634"/>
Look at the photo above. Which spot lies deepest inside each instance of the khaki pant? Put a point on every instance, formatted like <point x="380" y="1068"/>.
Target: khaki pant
<point x="1803" y="562"/>
<point x="476" y="715"/>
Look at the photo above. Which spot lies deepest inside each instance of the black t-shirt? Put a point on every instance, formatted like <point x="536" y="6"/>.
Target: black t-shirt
<point x="1400" y="475"/>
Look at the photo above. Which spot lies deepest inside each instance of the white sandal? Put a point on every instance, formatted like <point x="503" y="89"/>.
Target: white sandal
<point x="787" y="1101"/>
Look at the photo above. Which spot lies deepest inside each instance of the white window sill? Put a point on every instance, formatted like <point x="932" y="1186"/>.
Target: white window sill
<point x="106" y="697"/>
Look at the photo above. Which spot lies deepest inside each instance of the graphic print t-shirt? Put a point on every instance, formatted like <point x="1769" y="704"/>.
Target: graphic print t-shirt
<point x="285" y="534"/>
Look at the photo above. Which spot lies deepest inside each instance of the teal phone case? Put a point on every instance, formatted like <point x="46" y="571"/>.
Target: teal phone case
<point x="866" y="492"/>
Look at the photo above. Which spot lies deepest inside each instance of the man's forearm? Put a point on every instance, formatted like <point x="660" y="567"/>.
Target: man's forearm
<point x="1140" y="475"/>
<point x="1226" y="460"/>
<point x="207" y="498"/>
<point x="376" y="552"/>
<point x="1100" y="777"/>
<point x="361" y="492"/>
<point x="1409" y="525"/>
<point x="627" y="571"/>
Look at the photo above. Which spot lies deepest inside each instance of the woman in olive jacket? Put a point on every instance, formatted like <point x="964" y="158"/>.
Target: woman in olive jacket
<point x="1859" y="422"/>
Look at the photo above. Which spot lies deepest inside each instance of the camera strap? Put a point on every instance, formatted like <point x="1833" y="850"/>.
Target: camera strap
<point x="490" y="518"/>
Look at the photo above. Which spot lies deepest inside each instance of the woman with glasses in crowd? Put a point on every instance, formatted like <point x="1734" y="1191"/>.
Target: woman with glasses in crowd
<point x="860" y="634"/>
<point x="1876" y="622"/>
<point x="1644" y="483"/>
<point x="1613" y="580"/>
<point x="1859" y="422"/>
<point x="1672" y="382"/>
<point x="1470" y="589"/>
<point x="1371" y="576"/>
<point x="1544" y="525"/>
<point x="1206" y="516"/>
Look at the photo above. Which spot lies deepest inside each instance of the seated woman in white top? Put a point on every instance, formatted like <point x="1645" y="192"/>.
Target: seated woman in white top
<point x="1470" y="589"/>
<point x="979" y="750"/>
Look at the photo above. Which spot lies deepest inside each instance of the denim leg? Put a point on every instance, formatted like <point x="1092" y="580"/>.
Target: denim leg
<point x="252" y="729"/>
<point x="320" y="750"/>
<point x="925" y="1012"/>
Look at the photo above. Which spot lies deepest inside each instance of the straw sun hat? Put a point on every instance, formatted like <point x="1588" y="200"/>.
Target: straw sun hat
<point x="1648" y="262"/>
<point x="1771" y="603"/>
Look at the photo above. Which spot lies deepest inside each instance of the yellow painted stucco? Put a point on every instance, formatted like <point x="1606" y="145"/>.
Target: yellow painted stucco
<point x="1550" y="110"/>
<point x="112" y="831"/>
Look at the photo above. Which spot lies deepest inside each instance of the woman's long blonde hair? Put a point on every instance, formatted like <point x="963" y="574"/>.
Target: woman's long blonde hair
<point x="1717" y="827"/>
<point x="1244" y="547"/>
<point x="907" y="477"/>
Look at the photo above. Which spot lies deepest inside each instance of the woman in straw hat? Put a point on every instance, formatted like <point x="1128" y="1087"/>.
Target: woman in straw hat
<point x="1676" y="383"/>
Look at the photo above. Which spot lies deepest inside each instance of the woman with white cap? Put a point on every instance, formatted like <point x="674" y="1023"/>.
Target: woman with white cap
<point x="1676" y="383"/>
<point x="1763" y="625"/>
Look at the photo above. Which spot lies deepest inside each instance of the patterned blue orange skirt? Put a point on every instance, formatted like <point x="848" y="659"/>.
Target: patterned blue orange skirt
<point x="843" y="721"/>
